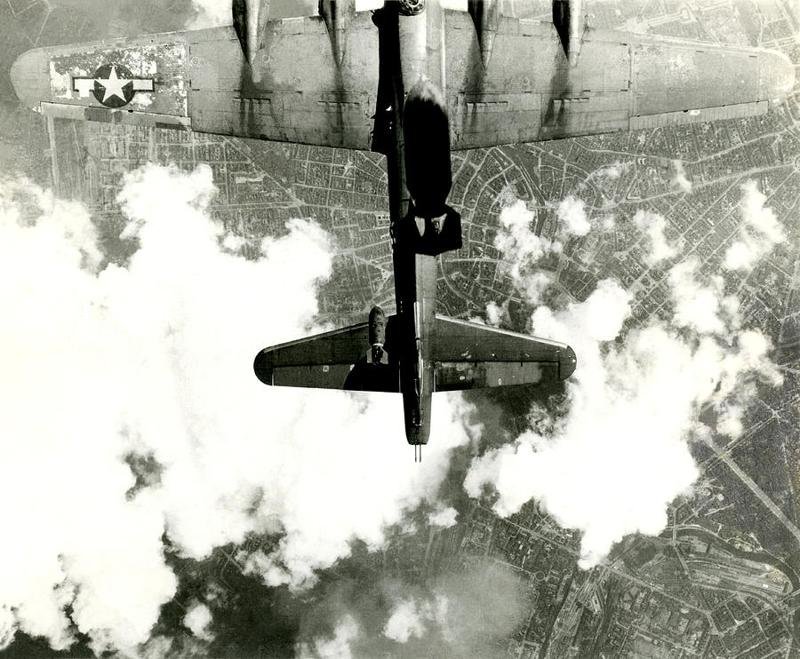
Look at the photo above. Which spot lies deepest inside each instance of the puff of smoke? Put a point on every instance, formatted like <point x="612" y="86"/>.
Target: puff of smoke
<point x="198" y="620"/>
<point x="703" y="308"/>
<point x="653" y="225"/>
<point x="522" y="249"/>
<point x="613" y="464"/>
<point x="495" y="313"/>
<point x="680" y="179"/>
<point x="443" y="517"/>
<point x="154" y="360"/>
<point x="336" y="647"/>
<point x="516" y="240"/>
<point x="410" y="618"/>
<point x="759" y="233"/>
<point x="571" y="212"/>
<point x="461" y="614"/>
<point x="210" y="13"/>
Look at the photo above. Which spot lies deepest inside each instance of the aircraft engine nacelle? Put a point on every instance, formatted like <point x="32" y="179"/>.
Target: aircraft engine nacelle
<point x="338" y="14"/>
<point x="486" y="16"/>
<point x="569" y="23"/>
<point x="249" y="18"/>
<point x="426" y="133"/>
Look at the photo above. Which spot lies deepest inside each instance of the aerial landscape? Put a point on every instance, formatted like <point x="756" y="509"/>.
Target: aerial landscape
<point x="466" y="560"/>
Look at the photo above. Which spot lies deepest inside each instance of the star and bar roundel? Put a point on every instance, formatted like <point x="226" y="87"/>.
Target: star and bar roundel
<point x="113" y="85"/>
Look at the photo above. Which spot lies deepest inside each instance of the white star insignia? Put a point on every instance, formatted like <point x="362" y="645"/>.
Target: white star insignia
<point x="113" y="85"/>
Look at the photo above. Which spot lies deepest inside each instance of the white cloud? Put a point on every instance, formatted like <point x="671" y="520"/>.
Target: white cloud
<point x="495" y="313"/>
<point x="404" y="623"/>
<point x="63" y="387"/>
<point x="211" y="13"/>
<point x="521" y="250"/>
<point x="653" y="225"/>
<point x="730" y="421"/>
<point x="535" y="286"/>
<point x="198" y="619"/>
<point x="614" y="462"/>
<point x="759" y="233"/>
<point x="611" y="172"/>
<point x="680" y="179"/>
<point x="571" y="212"/>
<point x="337" y="647"/>
<point x="411" y="618"/>
<point x="444" y="517"/>
<point x="155" y="359"/>
<point x="701" y="307"/>
<point x="516" y="239"/>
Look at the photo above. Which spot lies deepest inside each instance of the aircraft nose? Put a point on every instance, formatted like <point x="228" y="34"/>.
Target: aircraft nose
<point x="30" y="78"/>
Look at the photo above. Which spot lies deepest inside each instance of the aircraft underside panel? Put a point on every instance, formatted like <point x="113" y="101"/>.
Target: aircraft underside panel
<point x="528" y="91"/>
<point x="297" y="93"/>
<point x="458" y="376"/>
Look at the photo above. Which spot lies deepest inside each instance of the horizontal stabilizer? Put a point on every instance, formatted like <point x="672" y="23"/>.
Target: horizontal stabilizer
<point x="473" y="356"/>
<point x="341" y="359"/>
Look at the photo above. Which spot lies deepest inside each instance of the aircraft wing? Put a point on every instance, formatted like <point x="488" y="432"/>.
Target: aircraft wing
<point x="311" y="85"/>
<point x="300" y="90"/>
<point x="473" y="356"/>
<point x="527" y="90"/>
<point x="304" y="88"/>
<point x="332" y="360"/>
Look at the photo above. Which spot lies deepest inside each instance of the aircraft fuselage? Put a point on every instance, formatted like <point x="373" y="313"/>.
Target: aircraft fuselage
<point x="412" y="130"/>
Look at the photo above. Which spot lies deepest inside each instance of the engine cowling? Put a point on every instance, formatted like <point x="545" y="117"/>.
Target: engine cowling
<point x="338" y="14"/>
<point x="426" y="134"/>
<point x="568" y="20"/>
<point x="249" y="18"/>
<point x="486" y="16"/>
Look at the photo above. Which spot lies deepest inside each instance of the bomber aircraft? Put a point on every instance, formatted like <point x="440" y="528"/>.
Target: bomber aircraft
<point x="411" y="80"/>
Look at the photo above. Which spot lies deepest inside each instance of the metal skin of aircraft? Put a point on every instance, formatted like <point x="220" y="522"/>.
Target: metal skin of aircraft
<point x="411" y="80"/>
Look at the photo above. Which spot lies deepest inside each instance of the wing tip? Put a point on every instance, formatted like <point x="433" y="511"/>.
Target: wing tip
<point x="781" y="76"/>
<point x="29" y="77"/>
<point x="263" y="367"/>
<point x="567" y="363"/>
